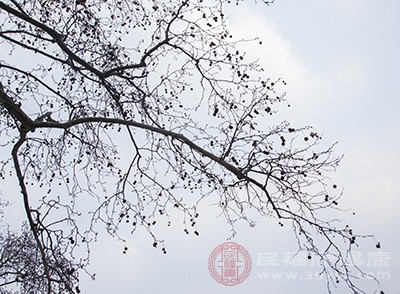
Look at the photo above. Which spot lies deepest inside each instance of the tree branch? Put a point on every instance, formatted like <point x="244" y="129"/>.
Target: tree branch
<point x="15" y="110"/>
<point x="236" y="171"/>
<point x="27" y="208"/>
<point x="58" y="38"/>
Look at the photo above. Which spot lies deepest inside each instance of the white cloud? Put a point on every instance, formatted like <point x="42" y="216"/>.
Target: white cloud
<point x="310" y="91"/>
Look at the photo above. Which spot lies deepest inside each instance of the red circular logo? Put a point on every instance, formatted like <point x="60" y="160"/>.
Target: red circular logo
<point x="229" y="264"/>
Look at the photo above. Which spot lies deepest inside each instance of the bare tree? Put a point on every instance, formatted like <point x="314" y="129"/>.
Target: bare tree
<point x="21" y="262"/>
<point x="136" y="103"/>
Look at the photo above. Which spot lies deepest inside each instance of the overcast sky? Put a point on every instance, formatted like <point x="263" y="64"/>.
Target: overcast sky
<point x="341" y="62"/>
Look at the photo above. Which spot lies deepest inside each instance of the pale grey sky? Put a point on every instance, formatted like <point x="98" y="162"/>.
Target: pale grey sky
<point x="341" y="62"/>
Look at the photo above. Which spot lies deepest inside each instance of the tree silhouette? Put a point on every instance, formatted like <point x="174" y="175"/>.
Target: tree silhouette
<point x="112" y="110"/>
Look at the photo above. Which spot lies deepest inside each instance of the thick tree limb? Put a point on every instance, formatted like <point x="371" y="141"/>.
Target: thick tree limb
<point x="236" y="171"/>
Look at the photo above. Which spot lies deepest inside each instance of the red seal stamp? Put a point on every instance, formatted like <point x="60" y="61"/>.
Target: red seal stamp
<point x="229" y="264"/>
